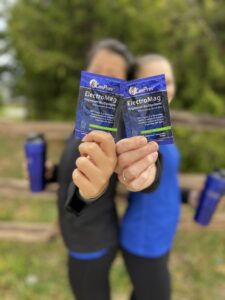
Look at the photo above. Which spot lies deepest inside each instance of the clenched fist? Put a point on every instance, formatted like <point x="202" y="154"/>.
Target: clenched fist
<point x="136" y="167"/>
<point x="95" y="165"/>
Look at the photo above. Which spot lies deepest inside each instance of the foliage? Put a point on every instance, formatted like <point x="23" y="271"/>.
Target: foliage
<point x="1" y="100"/>
<point x="201" y="151"/>
<point x="50" y="39"/>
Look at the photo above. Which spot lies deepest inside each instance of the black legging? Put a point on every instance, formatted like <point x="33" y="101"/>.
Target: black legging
<point x="89" y="279"/>
<point x="150" y="277"/>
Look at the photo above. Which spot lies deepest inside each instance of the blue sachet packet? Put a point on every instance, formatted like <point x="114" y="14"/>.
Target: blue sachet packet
<point x="98" y="104"/>
<point x="146" y="109"/>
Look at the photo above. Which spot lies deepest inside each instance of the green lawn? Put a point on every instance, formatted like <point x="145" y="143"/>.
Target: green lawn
<point x="197" y="264"/>
<point x="46" y="263"/>
<point x="20" y="262"/>
<point x="28" y="209"/>
<point x="37" y="271"/>
<point x="12" y="155"/>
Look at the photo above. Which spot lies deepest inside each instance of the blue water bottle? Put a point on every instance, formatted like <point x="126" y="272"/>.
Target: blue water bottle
<point x="35" y="150"/>
<point x="210" y="197"/>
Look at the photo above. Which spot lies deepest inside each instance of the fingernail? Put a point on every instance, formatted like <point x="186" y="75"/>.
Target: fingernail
<point x="143" y="140"/>
<point x="83" y="139"/>
<point x="154" y="145"/>
<point x="155" y="155"/>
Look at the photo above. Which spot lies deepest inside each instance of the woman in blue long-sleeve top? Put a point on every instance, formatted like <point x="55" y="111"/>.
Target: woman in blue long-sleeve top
<point x="149" y="225"/>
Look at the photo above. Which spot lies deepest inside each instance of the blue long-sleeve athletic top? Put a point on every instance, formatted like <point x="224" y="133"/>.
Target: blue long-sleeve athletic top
<point x="149" y="224"/>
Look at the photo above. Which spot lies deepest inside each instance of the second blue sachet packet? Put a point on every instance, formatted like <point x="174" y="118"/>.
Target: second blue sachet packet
<point x="146" y="109"/>
<point x="98" y="104"/>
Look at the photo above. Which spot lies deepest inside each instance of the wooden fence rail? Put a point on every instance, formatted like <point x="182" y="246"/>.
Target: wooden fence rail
<point x="60" y="130"/>
<point x="17" y="186"/>
<point x="196" y="121"/>
<point x="29" y="232"/>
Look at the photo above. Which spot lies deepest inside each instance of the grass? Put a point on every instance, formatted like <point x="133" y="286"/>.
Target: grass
<point x="197" y="265"/>
<point x="33" y="271"/>
<point x="12" y="155"/>
<point x="45" y="263"/>
<point x="28" y="209"/>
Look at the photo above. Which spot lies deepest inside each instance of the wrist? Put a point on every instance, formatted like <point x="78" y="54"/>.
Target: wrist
<point x="93" y="198"/>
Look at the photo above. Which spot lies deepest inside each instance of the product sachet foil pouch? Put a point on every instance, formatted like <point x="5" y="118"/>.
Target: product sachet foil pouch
<point x="146" y="109"/>
<point x="98" y="104"/>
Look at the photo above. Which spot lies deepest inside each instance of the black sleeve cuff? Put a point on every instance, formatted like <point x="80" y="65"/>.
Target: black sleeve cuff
<point x="77" y="205"/>
<point x="155" y="184"/>
<point x="184" y="196"/>
<point x="74" y="203"/>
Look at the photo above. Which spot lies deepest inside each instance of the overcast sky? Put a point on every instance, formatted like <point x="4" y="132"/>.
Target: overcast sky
<point x="2" y="24"/>
<point x="4" y="58"/>
<point x="3" y="4"/>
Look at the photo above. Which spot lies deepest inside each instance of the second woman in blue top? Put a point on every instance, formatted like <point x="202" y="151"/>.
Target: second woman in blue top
<point x="149" y="225"/>
<point x="151" y="219"/>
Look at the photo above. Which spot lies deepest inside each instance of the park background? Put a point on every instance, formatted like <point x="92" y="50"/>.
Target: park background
<point x="42" y="50"/>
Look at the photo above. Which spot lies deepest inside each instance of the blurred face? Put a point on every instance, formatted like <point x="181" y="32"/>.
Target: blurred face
<point x="156" y="68"/>
<point x="106" y="62"/>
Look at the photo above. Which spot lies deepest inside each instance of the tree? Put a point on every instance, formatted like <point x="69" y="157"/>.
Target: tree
<point x="50" y="39"/>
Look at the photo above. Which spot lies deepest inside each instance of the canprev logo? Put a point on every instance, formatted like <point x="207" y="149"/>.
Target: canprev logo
<point x="94" y="84"/>
<point x="133" y="90"/>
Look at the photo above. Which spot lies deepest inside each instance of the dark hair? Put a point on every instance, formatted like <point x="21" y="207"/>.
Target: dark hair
<point x="112" y="45"/>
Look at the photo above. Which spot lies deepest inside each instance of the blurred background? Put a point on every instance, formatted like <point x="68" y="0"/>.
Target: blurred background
<point x="42" y="50"/>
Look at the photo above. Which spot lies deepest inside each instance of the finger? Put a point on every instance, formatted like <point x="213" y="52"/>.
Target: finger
<point x="93" y="151"/>
<point x="92" y="173"/>
<point x="134" y="171"/>
<point x="82" y="182"/>
<point x="129" y="144"/>
<point x="49" y="164"/>
<point x="128" y="158"/>
<point x="104" y="139"/>
<point x="49" y="169"/>
<point x="143" y="180"/>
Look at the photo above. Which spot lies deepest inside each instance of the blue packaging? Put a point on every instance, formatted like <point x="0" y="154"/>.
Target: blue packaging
<point x="35" y="151"/>
<point x="98" y="104"/>
<point x="210" y="197"/>
<point x="146" y="109"/>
